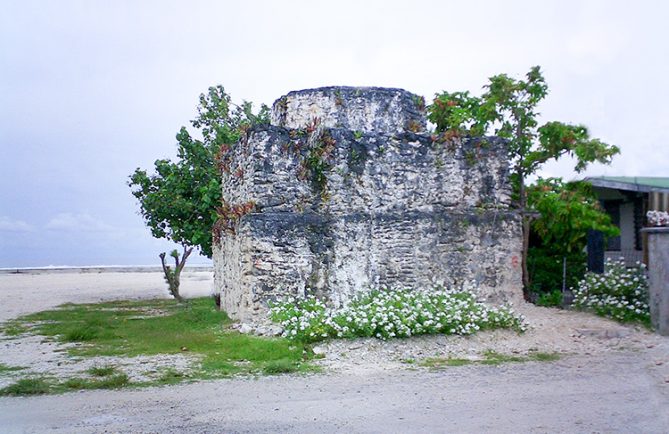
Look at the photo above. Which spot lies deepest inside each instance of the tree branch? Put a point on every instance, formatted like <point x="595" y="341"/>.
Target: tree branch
<point x="166" y="268"/>
<point x="186" y="254"/>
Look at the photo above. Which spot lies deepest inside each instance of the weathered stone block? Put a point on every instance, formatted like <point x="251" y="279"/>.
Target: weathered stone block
<point x="332" y="211"/>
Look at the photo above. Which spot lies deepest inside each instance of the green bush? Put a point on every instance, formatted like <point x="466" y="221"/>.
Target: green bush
<point x="567" y="211"/>
<point x="620" y="293"/>
<point x="550" y="299"/>
<point x="545" y="269"/>
<point x="393" y="313"/>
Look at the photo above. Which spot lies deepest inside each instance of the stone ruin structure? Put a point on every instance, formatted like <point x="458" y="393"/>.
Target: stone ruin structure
<point x="346" y="191"/>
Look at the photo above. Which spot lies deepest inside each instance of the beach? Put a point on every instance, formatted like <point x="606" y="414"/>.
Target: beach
<point x="25" y="291"/>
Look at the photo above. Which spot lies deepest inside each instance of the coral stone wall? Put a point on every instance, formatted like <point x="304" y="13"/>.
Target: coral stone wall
<point x="361" y="198"/>
<point x="376" y="109"/>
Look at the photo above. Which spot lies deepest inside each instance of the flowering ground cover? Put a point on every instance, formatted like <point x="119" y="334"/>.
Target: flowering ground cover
<point x="658" y="218"/>
<point x="620" y="292"/>
<point x="389" y="313"/>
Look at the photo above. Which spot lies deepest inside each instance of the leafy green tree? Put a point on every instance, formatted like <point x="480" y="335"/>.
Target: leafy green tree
<point x="508" y="109"/>
<point x="178" y="201"/>
<point x="566" y="212"/>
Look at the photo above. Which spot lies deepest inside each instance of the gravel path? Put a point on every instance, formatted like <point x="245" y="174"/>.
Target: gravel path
<point x="610" y="378"/>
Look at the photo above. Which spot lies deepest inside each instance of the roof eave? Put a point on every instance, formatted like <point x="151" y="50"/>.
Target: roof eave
<point x="617" y="185"/>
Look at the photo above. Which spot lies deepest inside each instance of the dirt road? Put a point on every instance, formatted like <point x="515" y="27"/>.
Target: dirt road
<point x="581" y="394"/>
<point x="622" y="389"/>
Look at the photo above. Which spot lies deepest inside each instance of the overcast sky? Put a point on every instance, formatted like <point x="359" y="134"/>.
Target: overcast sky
<point x="90" y="90"/>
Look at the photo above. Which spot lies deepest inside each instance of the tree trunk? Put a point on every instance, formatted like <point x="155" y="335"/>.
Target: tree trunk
<point x="173" y="277"/>
<point x="522" y="197"/>
<point x="526" y="245"/>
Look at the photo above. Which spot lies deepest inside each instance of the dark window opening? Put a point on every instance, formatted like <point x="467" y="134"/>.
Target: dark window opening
<point x="612" y="208"/>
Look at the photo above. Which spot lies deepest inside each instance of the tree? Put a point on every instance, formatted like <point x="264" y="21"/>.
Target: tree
<point x="508" y="109"/>
<point x="566" y="212"/>
<point x="179" y="201"/>
<point x="173" y="277"/>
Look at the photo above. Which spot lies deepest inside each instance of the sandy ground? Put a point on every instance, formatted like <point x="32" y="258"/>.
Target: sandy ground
<point x="31" y="292"/>
<point x="610" y="378"/>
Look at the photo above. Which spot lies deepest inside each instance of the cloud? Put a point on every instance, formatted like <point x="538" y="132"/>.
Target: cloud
<point x="8" y="224"/>
<point x="68" y="222"/>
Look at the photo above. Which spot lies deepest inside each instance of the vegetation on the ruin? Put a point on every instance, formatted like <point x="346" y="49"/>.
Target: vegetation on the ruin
<point x="150" y="328"/>
<point x="385" y="314"/>
<point x="508" y="109"/>
<point x="419" y="101"/>
<point x="228" y="217"/>
<point x="317" y="161"/>
<point x="566" y="212"/>
<point x="315" y="156"/>
<point x="620" y="293"/>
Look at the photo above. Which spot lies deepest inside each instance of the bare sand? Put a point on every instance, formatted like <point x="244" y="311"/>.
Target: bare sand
<point x="33" y="291"/>
<point x="610" y="378"/>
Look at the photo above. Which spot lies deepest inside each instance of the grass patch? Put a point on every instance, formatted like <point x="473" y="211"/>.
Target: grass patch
<point x="171" y="376"/>
<point x="112" y="382"/>
<point x="102" y="371"/>
<point x="218" y="367"/>
<point x="441" y="362"/>
<point x="43" y="386"/>
<point x="153" y="327"/>
<point x="109" y="382"/>
<point x="82" y="333"/>
<point x="13" y="328"/>
<point x="544" y="357"/>
<point x="495" y="358"/>
<point x="458" y="362"/>
<point x="282" y="366"/>
<point x="489" y="358"/>
<point x="6" y="368"/>
<point x="27" y="386"/>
